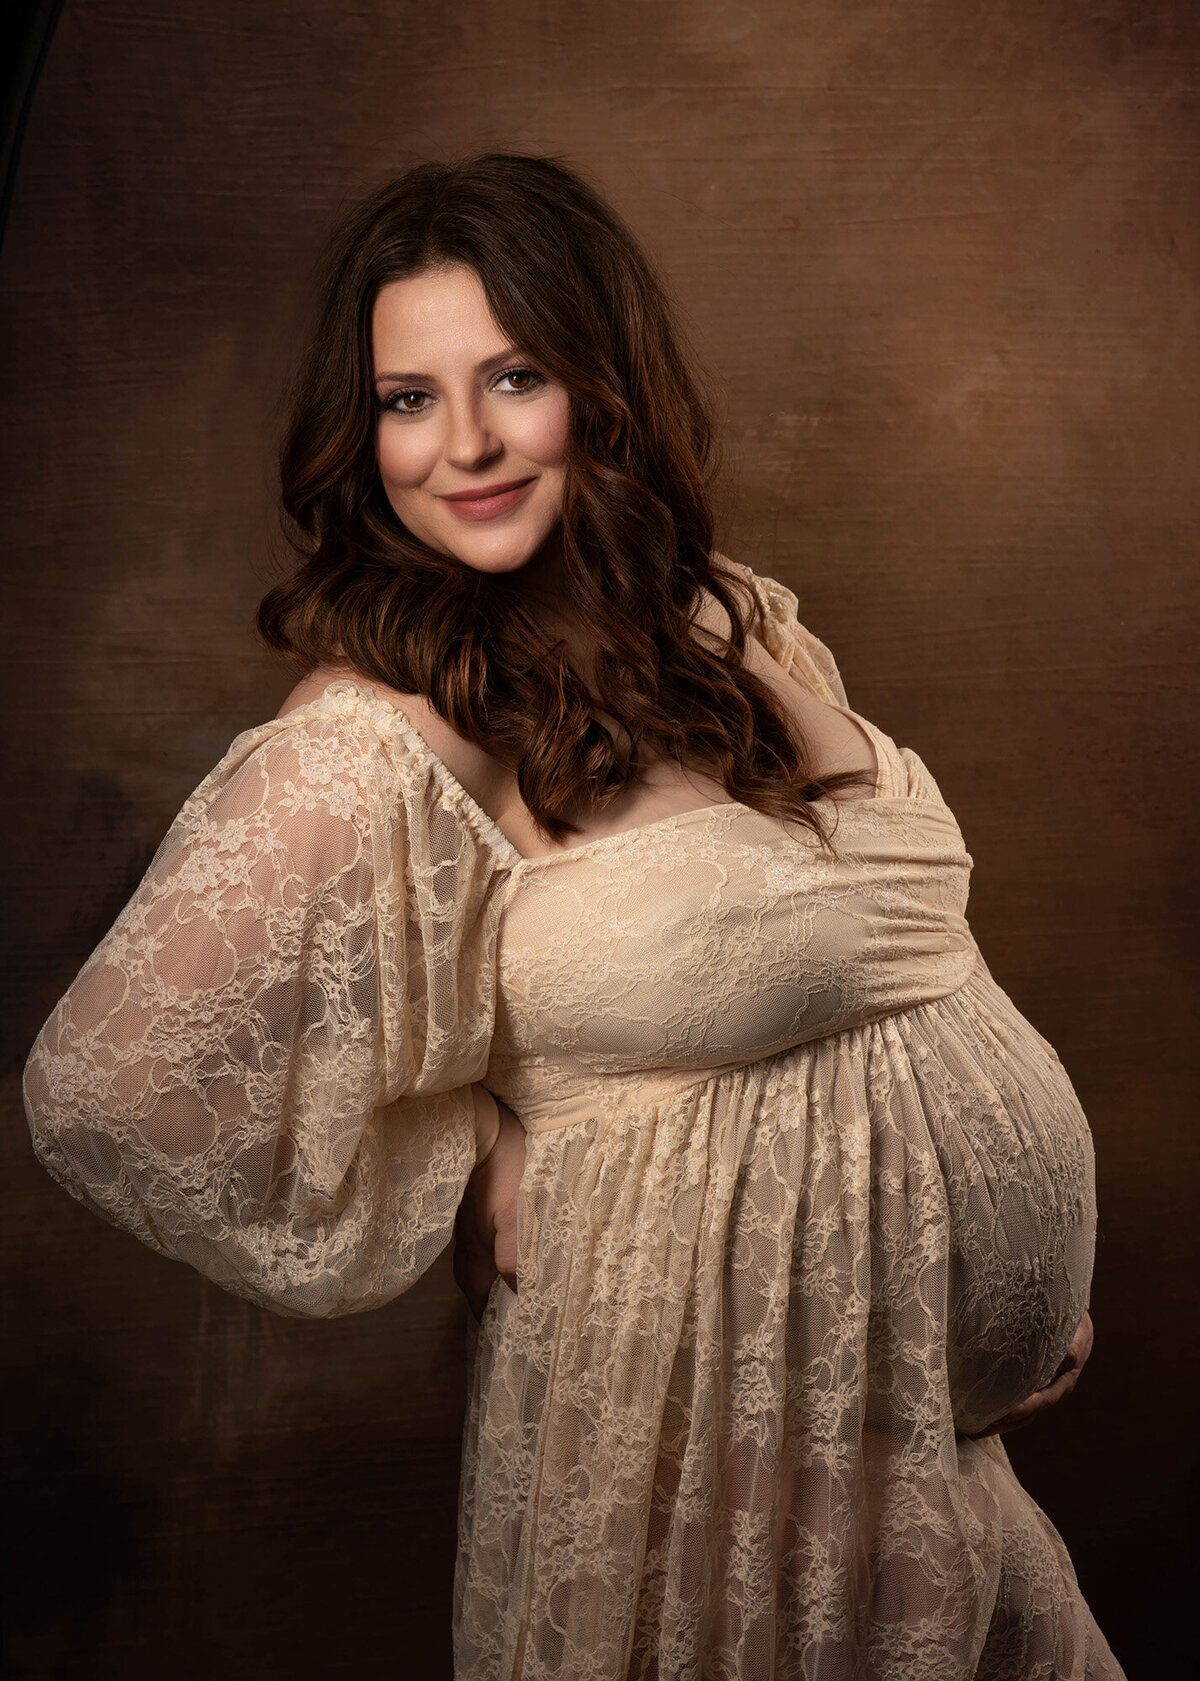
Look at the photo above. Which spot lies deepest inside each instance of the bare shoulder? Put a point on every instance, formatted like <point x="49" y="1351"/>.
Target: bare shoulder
<point x="467" y="761"/>
<point x="709" y="615"/>
<point x="308" y="688"/>
<point x="315" y="682"/>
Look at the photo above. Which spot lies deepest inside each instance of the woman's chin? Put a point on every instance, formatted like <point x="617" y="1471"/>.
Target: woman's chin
<point x="494" y="554"/>
<point x="531" y="557"/>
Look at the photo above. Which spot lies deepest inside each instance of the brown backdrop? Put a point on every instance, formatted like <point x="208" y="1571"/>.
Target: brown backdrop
<point x="941" y="257"/>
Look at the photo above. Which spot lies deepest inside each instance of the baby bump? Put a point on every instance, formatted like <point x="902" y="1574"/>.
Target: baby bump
<point x="1015" y="1158"/>
<point x="1019" y="1278"/>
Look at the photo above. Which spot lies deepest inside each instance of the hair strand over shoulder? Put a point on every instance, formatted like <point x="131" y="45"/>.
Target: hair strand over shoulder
<point x="566" y="279"/>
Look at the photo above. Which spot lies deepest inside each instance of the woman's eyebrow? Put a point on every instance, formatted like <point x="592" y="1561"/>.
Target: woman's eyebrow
<point x="480" y="367"/>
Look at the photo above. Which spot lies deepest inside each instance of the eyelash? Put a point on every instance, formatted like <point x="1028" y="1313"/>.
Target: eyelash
<point x="392" y="404"/>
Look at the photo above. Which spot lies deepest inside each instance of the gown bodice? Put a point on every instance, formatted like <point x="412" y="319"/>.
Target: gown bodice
<point x="639" y="962"/>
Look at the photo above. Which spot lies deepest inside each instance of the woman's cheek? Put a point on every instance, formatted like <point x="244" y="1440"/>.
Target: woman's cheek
<point x="404" y="461"/>
<point x="543" y="436"/>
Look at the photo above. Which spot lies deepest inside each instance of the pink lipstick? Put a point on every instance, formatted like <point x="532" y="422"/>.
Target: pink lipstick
<point x="488" y="500"/>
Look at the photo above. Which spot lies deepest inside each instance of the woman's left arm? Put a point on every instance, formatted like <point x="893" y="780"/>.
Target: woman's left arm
<point x="1062" y="1383"/>
<point x="485" y="1228"/>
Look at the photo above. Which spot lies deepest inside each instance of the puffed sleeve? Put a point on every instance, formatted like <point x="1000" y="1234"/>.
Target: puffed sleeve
<point x="269" y="1067"/>
<point x="791" y="644"/>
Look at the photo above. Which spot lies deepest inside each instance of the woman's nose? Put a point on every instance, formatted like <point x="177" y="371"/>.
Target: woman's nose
<point x="469" y="441"/>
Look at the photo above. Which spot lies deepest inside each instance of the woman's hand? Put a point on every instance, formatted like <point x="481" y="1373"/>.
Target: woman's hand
<point x="485" y="1228"/>
<point x="1062" y="1383"/>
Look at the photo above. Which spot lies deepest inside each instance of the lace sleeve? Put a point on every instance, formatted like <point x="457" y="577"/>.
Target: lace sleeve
<point x="266" y="1068"/>
<point x="791" y="644"/>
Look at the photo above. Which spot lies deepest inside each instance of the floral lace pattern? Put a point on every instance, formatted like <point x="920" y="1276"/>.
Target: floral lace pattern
<point x="265" y="1067"/>
<point x="807" y="1201"/>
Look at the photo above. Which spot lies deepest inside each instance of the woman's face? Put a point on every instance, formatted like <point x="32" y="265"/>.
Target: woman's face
<point x="465" y="411"/>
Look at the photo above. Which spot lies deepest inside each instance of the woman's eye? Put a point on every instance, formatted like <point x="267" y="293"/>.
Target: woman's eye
<point x="522" y="379"/>
<point x="407" y="402"/>
<point x="416" y="401"/>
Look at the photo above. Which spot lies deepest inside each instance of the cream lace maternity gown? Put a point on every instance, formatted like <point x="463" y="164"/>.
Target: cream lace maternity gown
<point x="806" y="1197"/>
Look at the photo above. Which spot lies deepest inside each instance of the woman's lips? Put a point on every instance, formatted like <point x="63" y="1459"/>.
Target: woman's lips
<point x="487" y="507"/>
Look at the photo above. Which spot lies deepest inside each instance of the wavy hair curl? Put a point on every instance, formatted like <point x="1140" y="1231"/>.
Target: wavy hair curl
<point x="568" y="282"/>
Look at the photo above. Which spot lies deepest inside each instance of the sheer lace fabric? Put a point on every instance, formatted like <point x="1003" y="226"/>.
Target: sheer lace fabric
<point x="266" y="1067"/>
<point x="806" y="1198"/>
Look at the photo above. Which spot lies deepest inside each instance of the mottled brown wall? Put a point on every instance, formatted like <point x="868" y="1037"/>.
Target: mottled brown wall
<point x="941" y="257"/>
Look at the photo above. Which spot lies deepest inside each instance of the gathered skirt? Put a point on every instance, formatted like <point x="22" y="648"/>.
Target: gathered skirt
<point x="723" y="1428"/>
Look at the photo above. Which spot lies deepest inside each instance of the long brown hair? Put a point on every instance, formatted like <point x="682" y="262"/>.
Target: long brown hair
<point x="568" y="282"/>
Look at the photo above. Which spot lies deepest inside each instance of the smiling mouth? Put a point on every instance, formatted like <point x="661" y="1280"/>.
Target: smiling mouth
<point x="490" y="501"/>
<point x="485" y="492"/>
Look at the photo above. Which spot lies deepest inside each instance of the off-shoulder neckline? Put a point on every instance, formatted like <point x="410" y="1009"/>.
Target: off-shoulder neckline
<point x="491" y="830"/>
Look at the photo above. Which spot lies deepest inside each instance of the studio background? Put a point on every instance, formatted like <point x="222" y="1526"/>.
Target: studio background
<point x="940" y="259"/>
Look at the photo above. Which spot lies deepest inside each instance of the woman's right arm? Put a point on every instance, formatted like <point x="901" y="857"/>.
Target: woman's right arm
<point x="239" y="1074"/>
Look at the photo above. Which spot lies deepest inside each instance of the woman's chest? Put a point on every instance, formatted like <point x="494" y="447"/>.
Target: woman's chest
<point x="663" y="789"/>
<point x="722" y="933"/>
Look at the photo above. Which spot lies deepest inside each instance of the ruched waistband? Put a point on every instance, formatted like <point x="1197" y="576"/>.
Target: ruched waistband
<point x="608" y="1094"/>
<point x="555" y="1113"/>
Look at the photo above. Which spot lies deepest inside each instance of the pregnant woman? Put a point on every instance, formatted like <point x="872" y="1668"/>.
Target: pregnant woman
<point x="566" y="902"/>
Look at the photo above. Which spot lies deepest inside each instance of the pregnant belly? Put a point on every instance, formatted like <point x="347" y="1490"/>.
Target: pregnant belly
<point x="1017" y="1292"/>
<point x="1015" y="1158"/>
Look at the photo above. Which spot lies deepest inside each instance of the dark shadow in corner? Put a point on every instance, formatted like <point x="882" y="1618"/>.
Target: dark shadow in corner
<point x="26" y="30"/>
